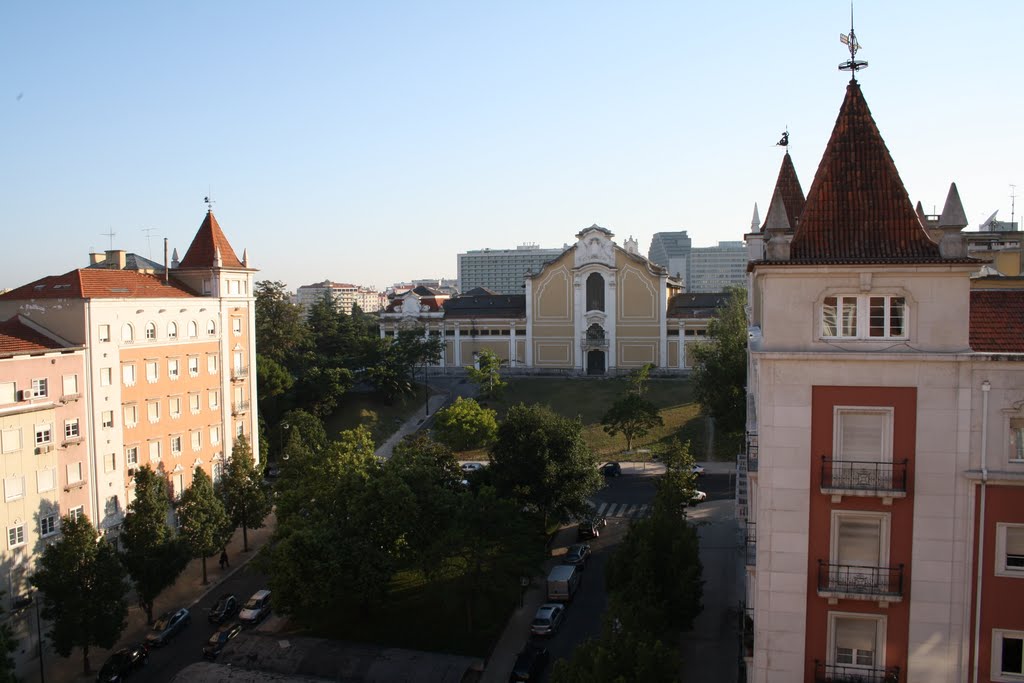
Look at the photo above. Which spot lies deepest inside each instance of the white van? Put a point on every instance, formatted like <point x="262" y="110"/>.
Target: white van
<point x="563" y="582"/>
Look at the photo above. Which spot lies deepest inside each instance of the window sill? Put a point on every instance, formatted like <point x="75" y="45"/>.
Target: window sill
<point x="75" y="485"/>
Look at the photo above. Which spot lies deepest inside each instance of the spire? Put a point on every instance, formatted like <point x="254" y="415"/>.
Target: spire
<point x="857" y="209"/>
<point x="755" y="221"/>
<point x="919" y="210"/>
<point x="791" y="195"/>
<point x="953" y="215"/>
<point x="174" y="258"/>
<point x="210" y="246"/>
<point x="245" y="257"/>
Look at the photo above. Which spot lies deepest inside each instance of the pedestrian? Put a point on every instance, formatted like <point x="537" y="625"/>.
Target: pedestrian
<point x="224" y="559"/>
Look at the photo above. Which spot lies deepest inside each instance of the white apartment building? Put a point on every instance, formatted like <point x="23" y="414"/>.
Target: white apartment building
<point x="502" y="271"/>
<point x="345" y="296"/>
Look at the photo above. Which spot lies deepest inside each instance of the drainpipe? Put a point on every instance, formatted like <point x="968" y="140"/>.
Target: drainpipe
<point x="986" y="386"/>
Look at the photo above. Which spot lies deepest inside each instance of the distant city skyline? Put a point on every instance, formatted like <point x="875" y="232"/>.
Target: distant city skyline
<point x="372" y="143"/>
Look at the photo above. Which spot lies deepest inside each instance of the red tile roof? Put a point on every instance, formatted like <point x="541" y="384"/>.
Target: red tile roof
<point x="788" y="186"/>
<point x="997" y="320"/>
<point x="857" y="209"/>
<point x="95" y="283"/>
<point x="202" y="252"/>
<point x="17" y="337"/>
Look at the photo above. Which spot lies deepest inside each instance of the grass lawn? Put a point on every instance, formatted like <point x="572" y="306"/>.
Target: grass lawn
<point x="370" y="411"/>
<point x="589" y="399"/>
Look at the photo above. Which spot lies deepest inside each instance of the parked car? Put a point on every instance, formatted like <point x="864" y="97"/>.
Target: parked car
<point x="472" y="466"/>
<point x="530" y="663"/>
<point x="220" y="639"/>
<point x="167" y="626"/>
<point x="611" y="469"/>
<point x="697" y="469"/>
<point x="590" y="527"/>
<point x="547" y="619"/>
<point x="256" y="609"/>
<point x="226" y="607"/>
<point x="698" y="497"/>
<point x="122" y="663"/>
<point x="578" y="554"/>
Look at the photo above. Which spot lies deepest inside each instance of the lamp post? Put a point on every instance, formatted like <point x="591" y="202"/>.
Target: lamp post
<point x="426" y="392"/>
<point x="39" y="635"/>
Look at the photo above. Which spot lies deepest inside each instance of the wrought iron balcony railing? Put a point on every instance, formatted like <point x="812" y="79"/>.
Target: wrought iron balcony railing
<point x="752" y="451"/>
<point x="880" y="478"/>
<point x="860" y="582"/>
<point x="240" y="407"/>
<point x="846" y="673"/>
<point x="239" y="373"/>
<point x="750" y="544"/>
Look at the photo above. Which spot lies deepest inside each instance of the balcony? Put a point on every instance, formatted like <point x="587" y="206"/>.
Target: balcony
<point x="752" y="451"/>
<point x="886" y="480"/>
<point x="845" y="673"/>
<point x="750" y="544"/>
<point x="856" y="582"/>
<point x="239" y="373"/>
<point x="240" y="408"/>
<point x="746" y="630"/>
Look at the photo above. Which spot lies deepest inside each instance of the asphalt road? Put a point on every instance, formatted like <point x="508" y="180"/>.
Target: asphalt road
<point x="187" y="647"/>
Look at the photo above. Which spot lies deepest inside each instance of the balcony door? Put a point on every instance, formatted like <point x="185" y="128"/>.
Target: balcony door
<point x="860" y="552"/>
<point x="856" y="644"/>
<point x="862" y="451"/>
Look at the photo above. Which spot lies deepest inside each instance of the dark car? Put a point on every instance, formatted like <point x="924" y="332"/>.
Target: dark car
<point x="530" y="663"/>
<point x="168" y="626"/>
<point x="122" y="663"/>
<point x="226" y="607"/>
<point x="611" y="469"/>
<point x="220" y="639"/>
<point x="577" y="555"/>
<point x="590" y="527"/>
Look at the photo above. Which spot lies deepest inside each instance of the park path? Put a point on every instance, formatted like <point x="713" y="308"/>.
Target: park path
<point x="451" y="387"/>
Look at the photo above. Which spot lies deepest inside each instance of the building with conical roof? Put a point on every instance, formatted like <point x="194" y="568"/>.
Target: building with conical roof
<point x="882" y="486"/>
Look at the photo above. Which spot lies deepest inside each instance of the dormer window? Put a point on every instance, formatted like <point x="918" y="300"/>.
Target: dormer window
<point x="864" y="317"/>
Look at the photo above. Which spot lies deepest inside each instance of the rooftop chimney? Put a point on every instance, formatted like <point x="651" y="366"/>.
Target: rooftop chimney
<point x="96" y="257"/>
<point x="116" y="258"/>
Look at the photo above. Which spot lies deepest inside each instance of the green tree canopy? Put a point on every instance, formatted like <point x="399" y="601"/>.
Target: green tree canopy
<point x="281" y="333"/>
<point x="619" y="658"/>
<point x="486" y="373"/>
<point x="83" y="586"/>
<point x="540" y="459"/>
<point x="152" y="553"/>
<point x="205" y="526"/>
<point x="720" y="364"/>
<point x="391" y="363"/>
<point x="633" y="416"/>
<point x="465" y="424"/>
<point x="8" y="645"/>
<point x="243" y="492"/>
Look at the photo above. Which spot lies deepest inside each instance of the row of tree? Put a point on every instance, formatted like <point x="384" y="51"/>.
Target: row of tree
<point x="83" y="579"/>
<point x="654" y="588"/>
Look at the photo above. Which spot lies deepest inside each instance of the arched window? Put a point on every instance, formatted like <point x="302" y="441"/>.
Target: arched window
<point x="211" y="328"/>
<point x="193" y="330"/>
<point x="127" y="333"/>
<point x="595" y="292"/>
<point x="595" y="332"/>
<point x="150" y="331"/>
<point x="172" y="330"/>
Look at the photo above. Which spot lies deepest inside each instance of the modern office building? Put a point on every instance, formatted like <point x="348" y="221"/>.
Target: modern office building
<point x="883" y="480"/>
<point x="700" y="269"/>
<point x="345" y="296"/>
<point x="501" y="270"/>
<point x="672" y="251"/>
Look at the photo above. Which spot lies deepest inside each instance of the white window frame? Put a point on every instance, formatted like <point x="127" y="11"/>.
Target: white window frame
<point x="154" y="450"/>
<point x="40" y="387"/>
<point x="214" y="435"/>
<point x="880" y="637"/>
<point x="193" y="329"/>
<point x="195" y="403"/>
<point x="236" y="326"/>
<point x="176" y="445"/>
<point x="17" y="489"/>
<point x="1016" y="446"/>
<point x="196" y="439"/>
<point x="69" y="385"/>
<point x="174" y="407"/>
<point x="109" y="462"/>
<point x="152" y="371"/>
<point x="861" y="308"/>
<point x="16" y="536"/>
<point x="128" y="374"/>
<point x="107" y="419"/>
<point x="211" y="328"/>
<point x="42" y="486"/>
<point x="10" y="440"/>
<point x="214" y="399"/>
<point x="103" y="333"/>
<point x="885" y="532"/>
<point x="106" y="377"/>
<point x="131" y="415"/>
<point x="72" y="429"/>
<point x="212" y="363"/>
<point x="193" y="366"/>
<point x="153" y="411"/>
<point x="131" y="456"/>
<point x="1001" y="567"/>
<point x="172" y="330"/>
<point x="173" y="368"/>
<point x="76" y="512"/>
<point x="888" y="412"/>
<point x="150" y="331"/>
<point x="74" y="472"/>
<point x="997" y="674"/>
<point x="43" y="434"/>
<point x="127" y="334"/>
<point x="49" y="525"/>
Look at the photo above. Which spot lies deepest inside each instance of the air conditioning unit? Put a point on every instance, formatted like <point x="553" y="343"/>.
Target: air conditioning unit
<point x="131" y="471"/>
<point x="40" y="450"/>
<point x="25" y="395"/>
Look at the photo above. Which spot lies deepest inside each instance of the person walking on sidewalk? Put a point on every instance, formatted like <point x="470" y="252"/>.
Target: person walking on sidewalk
<point x="224" y="559"/>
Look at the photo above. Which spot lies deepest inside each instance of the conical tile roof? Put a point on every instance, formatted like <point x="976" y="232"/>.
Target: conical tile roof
<point x="788" y="189"/>
<point x="207" y="245"/>
<point x="857" y="209"/>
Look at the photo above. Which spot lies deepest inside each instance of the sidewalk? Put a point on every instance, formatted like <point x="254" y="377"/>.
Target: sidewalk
<point x="186" y="591"/>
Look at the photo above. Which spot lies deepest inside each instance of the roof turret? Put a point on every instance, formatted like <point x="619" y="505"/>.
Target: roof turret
<point x="210" y="248"/>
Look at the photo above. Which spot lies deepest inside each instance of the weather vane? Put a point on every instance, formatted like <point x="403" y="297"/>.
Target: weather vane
<point x="853" y="65"/>
<point x="784" y="141"/>
<point x="209" y="201"/>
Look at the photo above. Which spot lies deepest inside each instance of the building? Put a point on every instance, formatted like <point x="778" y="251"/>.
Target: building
<point x="168" y="371"/>
<point x="597" y="309"/>
<point x="714" y="269"/>
<point x="700" y="269"/>
<point x="345" y="296"/>
<point x="501" y="270"/>
<point x="883" y="480"/>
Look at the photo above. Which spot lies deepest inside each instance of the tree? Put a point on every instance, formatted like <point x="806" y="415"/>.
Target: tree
<point x="274" y="380"/>
<point x="638" y="379"/>
<point x="243" y="492"/>
<point x="153" y="554"/>
<point x="83" y="587"/>
<point x="617" y="658"/>
<point x="319" y="389"/>
<point x="633" y="416"/>
<point x="281" y="333"/>
<point x="205" y="526"/>
<point x="486" y="374"/>
<point x="465" y="424"/>
<point x="720" y="364"/>
<point x="8" y="644"/>
<point x="541" y="460"/>
<point x="391" y="362"/>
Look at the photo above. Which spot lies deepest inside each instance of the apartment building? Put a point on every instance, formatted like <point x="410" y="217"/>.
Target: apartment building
<point x="700" y="269"/>
<point x="344" y="295"/>
<point x="168" y="377"/>
<point x="501" y="270"/>
<point x="883" y="480"/>
<point x="671" y="250"/>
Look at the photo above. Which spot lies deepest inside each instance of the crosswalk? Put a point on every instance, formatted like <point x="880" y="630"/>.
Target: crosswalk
<point x="626" y="510"/>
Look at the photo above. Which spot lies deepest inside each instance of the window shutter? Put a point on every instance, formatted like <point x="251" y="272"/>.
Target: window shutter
<point x="856" y="634"/>
<point x="861" y="436"/>
<point x="859" y="541"/>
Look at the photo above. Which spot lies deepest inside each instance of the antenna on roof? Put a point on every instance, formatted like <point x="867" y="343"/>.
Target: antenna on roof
<point x="149" y="246"/>
<point x="111" y="236"/>
<point x="853" y="64"/>
<point x="1013" y="206"/>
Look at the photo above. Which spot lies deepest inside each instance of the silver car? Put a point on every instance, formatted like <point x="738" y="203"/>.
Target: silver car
<point x="547" y="620"/>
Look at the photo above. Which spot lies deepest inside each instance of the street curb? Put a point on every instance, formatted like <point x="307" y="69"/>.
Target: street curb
<point x="223" y="578"/>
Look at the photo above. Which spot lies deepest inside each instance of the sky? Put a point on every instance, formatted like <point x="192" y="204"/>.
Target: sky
<point x="371" y="142"/>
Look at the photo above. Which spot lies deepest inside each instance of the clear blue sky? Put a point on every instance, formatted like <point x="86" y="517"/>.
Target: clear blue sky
<point x="371" y="142"/>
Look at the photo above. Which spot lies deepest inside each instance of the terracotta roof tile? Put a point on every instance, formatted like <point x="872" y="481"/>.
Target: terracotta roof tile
<point x="788" y="187"/>
<point x="857" y="209"/>
<point x="17" y="337"/>
<point x="202" y="252"/>
<point x="997" y="320"/>
<point x="98" y="283"/>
